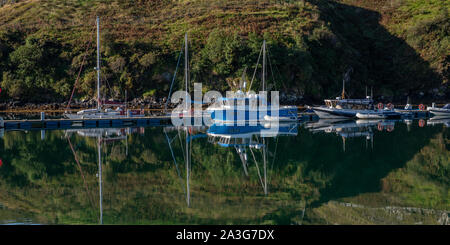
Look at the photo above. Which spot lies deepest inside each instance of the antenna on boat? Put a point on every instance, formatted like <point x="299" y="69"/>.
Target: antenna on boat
<point x="243" y="82"/>
<point x="98" y="63"/>
<point x="344" y="80"/>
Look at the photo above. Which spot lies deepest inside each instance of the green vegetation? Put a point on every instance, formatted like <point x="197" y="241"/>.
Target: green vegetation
<point x="400" y="47"/>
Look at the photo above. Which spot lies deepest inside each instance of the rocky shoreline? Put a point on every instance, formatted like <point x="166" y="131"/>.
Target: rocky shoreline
<point x="77" y="105"/>
<point x="137" y="103"/>
<point x="155" y="103"/>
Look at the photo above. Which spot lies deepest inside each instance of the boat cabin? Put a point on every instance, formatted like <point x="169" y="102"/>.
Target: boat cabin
<point x="349" y="103"/>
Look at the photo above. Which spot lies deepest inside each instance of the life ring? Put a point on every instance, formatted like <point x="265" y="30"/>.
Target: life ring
<point x="390" y="106"/>
<point x="380" y="127"/>
<point x="380" y="106"/>
<point x="390" y="128"/>
<point x="190" y="130"/>
<point x="421" y="107"/>
<point x="421" y="123"/>
<point x="1" y="162"/>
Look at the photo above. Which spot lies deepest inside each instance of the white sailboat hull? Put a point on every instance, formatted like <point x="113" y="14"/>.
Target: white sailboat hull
<point x="96" y="115"/>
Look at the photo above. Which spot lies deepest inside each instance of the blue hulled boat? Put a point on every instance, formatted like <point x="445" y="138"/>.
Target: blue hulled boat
<point x="245" y="106"/>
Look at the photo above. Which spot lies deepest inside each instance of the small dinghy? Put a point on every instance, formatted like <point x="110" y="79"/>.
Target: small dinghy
<point x="441" y="112"/>
<point x="409" y="112"/>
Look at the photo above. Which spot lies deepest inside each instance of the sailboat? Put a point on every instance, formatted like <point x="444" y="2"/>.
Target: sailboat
<point x="98" y="112"/>
<point x="187" y="111"/>
<point x="245" y="106"/>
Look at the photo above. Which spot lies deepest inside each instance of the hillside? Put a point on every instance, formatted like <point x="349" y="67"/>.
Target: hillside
<point x="399" y="47"/>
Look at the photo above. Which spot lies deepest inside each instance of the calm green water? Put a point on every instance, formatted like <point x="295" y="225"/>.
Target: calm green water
<point x="322" y="172"/>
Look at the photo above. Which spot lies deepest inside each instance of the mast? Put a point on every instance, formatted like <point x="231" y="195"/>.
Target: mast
<point x="343" y="89"/>
<point x="264" y="67"/>
<point x="186" y="68"/>
<point x="98" y="63"/>
<point x="186" y="75"/>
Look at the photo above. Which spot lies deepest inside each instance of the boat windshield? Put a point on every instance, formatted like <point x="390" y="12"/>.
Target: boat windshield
<point x="348" y="103"/>
<point x="447" y="106"/>
<point x="254" y="101"/>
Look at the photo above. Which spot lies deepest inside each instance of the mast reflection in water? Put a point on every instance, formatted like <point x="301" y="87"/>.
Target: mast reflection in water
<point x="390" y="172"/>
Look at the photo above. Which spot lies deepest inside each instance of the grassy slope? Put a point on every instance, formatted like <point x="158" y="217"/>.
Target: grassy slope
<point x="313" y="43"/>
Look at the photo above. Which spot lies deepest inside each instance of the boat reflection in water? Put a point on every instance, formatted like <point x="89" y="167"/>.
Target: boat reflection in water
<point x="244" y="139"/>
<point x="103" y="136"/>
<point x="439" y="120"/>
<point x="189" y="133"/>
<point x="352" y="129"/>
<point x="251" y="139"/>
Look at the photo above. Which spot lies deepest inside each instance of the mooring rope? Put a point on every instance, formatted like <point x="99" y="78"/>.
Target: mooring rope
<point x="79" y="72"/>
<point x="173" y="79"/>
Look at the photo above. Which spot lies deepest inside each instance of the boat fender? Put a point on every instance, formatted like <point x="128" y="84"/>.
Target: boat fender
<point x="421" y="123"/>
<point x="421" y="107"/>
<point x="380" y="126"/>
<point x="390" y="106"/>
<point x="380" y="106"/>
<point x="390" y="128"/>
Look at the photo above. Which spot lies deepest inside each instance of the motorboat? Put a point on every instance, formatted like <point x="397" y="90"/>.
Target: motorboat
<point x="441" y="112"/>
<point x="343" y="107"/>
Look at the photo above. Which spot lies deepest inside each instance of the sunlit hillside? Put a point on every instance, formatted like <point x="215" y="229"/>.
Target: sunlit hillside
<point x="398" y="47"/>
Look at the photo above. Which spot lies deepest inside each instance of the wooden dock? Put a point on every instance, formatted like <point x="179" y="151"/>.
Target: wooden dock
<point x="49" y="124"/>
<point x="84" y="123"/>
